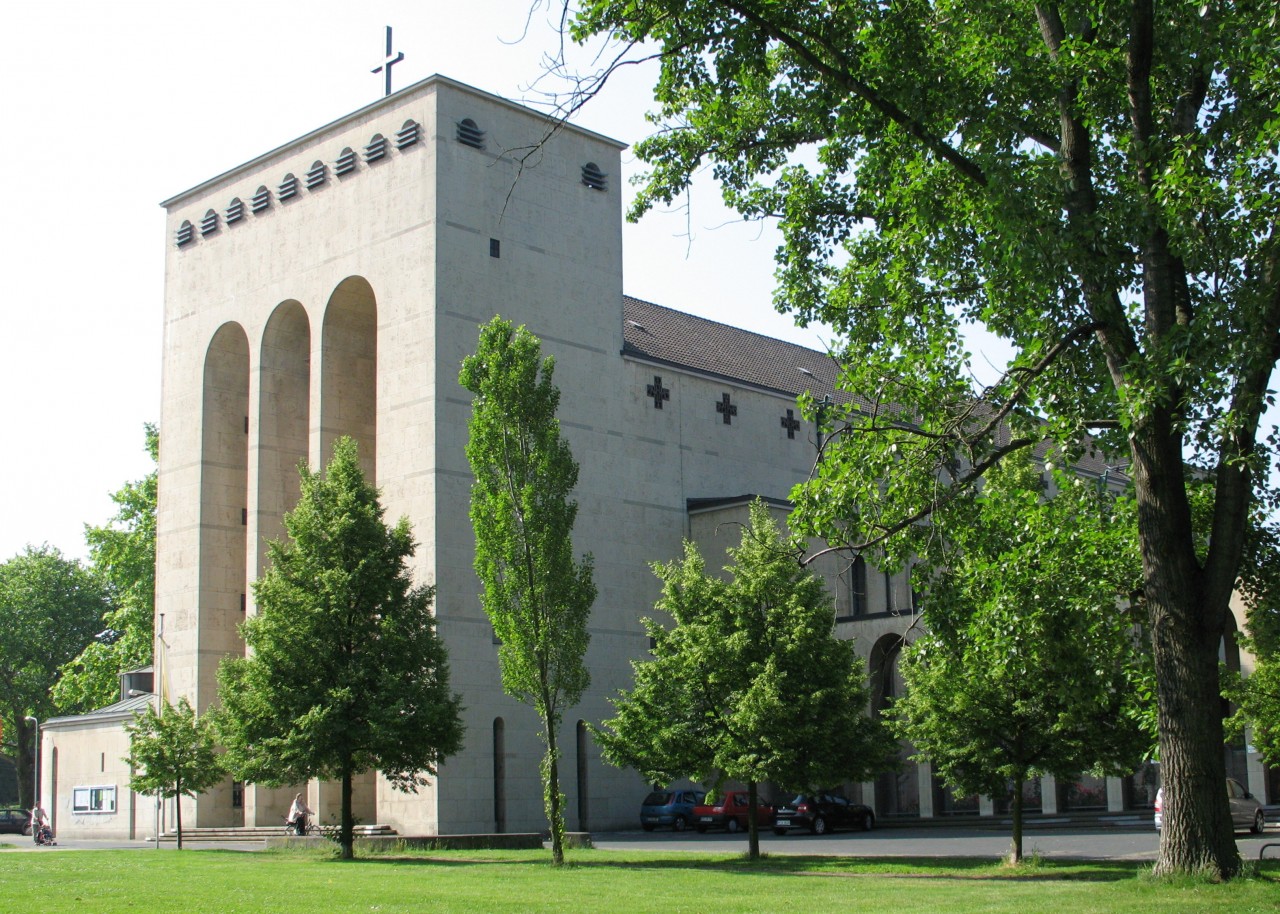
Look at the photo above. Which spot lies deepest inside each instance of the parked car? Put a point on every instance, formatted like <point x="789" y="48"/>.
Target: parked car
<point x="732" y="812"/>
<point x="821" y="813"/>
<point x="1246" y="811"/>
<point x="669" y="809"/>
<point x="15" y="821"/>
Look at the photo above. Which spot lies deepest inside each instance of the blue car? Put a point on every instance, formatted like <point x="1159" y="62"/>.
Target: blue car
<point x="673" y="808"/>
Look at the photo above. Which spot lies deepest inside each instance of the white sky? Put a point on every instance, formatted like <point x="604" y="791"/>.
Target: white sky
<point x="109" y="108"/>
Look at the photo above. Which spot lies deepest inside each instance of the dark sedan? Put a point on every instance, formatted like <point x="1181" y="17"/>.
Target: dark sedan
<point x="821" y="813"/>
<point x="14" y="820"/>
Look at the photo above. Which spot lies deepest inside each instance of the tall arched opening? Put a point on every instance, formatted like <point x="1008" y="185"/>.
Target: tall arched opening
<point x="897" y="792"/>
<point x="348" y="372"/>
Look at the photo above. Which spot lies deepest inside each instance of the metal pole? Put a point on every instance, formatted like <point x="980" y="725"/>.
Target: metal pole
<point x="35" y="764"/>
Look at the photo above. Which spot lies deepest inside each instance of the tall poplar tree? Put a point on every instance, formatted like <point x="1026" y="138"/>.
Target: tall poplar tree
<point x="345" y="672"/>
<point x="535" y="593"/>
<point x="1095" y="184"/>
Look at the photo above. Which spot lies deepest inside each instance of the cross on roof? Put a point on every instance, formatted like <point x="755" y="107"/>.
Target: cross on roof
<point x="388" y="62"/>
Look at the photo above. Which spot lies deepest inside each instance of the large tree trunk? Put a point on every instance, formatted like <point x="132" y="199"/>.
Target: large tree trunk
<point x="24" y="760"/>
<point x="1186" y="610"/>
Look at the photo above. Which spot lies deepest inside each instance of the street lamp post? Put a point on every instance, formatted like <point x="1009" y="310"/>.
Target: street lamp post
<point x="35" y="763"/>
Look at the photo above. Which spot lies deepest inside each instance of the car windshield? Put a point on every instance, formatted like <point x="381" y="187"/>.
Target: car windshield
<point x="657" y="799"/>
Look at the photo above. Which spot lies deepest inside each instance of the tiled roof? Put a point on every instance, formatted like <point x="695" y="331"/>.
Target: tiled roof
<point x="669" y="337"/>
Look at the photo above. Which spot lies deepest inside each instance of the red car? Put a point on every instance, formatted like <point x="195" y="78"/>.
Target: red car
<point x="732" y="812"/>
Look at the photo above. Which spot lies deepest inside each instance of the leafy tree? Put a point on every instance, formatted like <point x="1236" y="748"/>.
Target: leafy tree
<point x="1257" y="697"/>
<point x="173" y="754"/>
<point x="750" y="682"/>
<point x="123" y="554"/>
<point x="537" y="597"/>
<point x="345" y="672"/>
<point x="1030" y="665"/>
<point x="50" y="608"/>
<point x="1094" y="184"/>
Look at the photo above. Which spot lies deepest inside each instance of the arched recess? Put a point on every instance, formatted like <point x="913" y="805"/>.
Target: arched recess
<point x="348" y="372"/>
<point x="284" y="390"/>
<point x="224" y="485"/>
<point x="499" y="776"/>
<point x="897" y="792"/>
<point x="582" y="745"/>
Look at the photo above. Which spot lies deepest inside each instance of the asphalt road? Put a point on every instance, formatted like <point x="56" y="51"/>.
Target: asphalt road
<point x="1088" y="844"/>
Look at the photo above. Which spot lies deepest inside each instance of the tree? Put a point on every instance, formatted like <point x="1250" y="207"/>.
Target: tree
<point x="1257" y="697"/>
<point x="345" y="672"/>
<point x="1095" y="185"/>
<point x="123" y="554"/>
<point x="50" y="608"/>
<point x="749" y="682"/>
<point x="536" y="596"/>
<point x="1032" y="663"/>
<point x="173" y="754"/>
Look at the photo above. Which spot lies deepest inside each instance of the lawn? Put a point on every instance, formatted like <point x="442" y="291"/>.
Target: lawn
<point x="496" y="882"/>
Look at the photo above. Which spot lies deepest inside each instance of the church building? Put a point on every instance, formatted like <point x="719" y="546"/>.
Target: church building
<point x="331" y="287"/>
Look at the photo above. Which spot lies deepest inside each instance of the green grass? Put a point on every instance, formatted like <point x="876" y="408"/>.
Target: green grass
<point x="497" y="882"/>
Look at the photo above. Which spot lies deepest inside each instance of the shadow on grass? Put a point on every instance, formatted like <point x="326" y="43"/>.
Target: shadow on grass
<point x="961" y="868"/>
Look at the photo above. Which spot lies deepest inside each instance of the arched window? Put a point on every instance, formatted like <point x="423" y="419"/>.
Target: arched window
<point x="593" y="177"/>
<point x="186" y="233"/>
<point x="316" y="174"/>
<point x="209" y="224"/>
<point x="408" y="134"/>
<point x="345" y="163"/>
<point x="376" y="149"/>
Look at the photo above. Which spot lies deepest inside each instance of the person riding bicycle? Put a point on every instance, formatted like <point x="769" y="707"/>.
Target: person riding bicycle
<point x="298" y="813"/>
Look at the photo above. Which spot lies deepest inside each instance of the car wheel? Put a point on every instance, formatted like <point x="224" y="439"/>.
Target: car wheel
<point x="1259" y="823"/>
<point x="680" y="823"/>
<point x="869" y="821"/>
<point x="819" y="826"/>
<point x="732" y="826"/>
<point x="779" y="831"/>
<point x="647" y="826"/>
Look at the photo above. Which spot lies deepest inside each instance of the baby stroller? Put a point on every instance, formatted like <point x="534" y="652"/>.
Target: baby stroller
<point x="43" y="834"/>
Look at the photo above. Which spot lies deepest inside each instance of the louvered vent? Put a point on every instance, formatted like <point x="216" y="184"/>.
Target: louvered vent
<point x="376" y="149"/>
<point x="408" y="134"/>
<point x="317" y="174"/>
<point x="469" y="134"/>
<point x="186" y="234"/>
<point x="345" y="163"/>
<point x="261" y="199"/>
<point x="209" y="224"/>
<point x="235" y="210"/>
<point x="593" y="177"/>
<point x="288" y="187"/>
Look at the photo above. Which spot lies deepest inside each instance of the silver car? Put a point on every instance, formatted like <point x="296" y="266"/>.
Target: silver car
<point x="1246" y="811"/>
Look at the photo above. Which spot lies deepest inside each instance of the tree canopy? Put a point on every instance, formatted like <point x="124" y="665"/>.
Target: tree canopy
<point x="123" y="554"/>
<point x="748" y="681"/>
<point x="345" y="672"/>
<point x="1033" y="662"/>
<point x="1094" y="184"/>
<point x="537" y="596"/>
<point x="50" y="608"/>
<point x="173" y="754"/>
